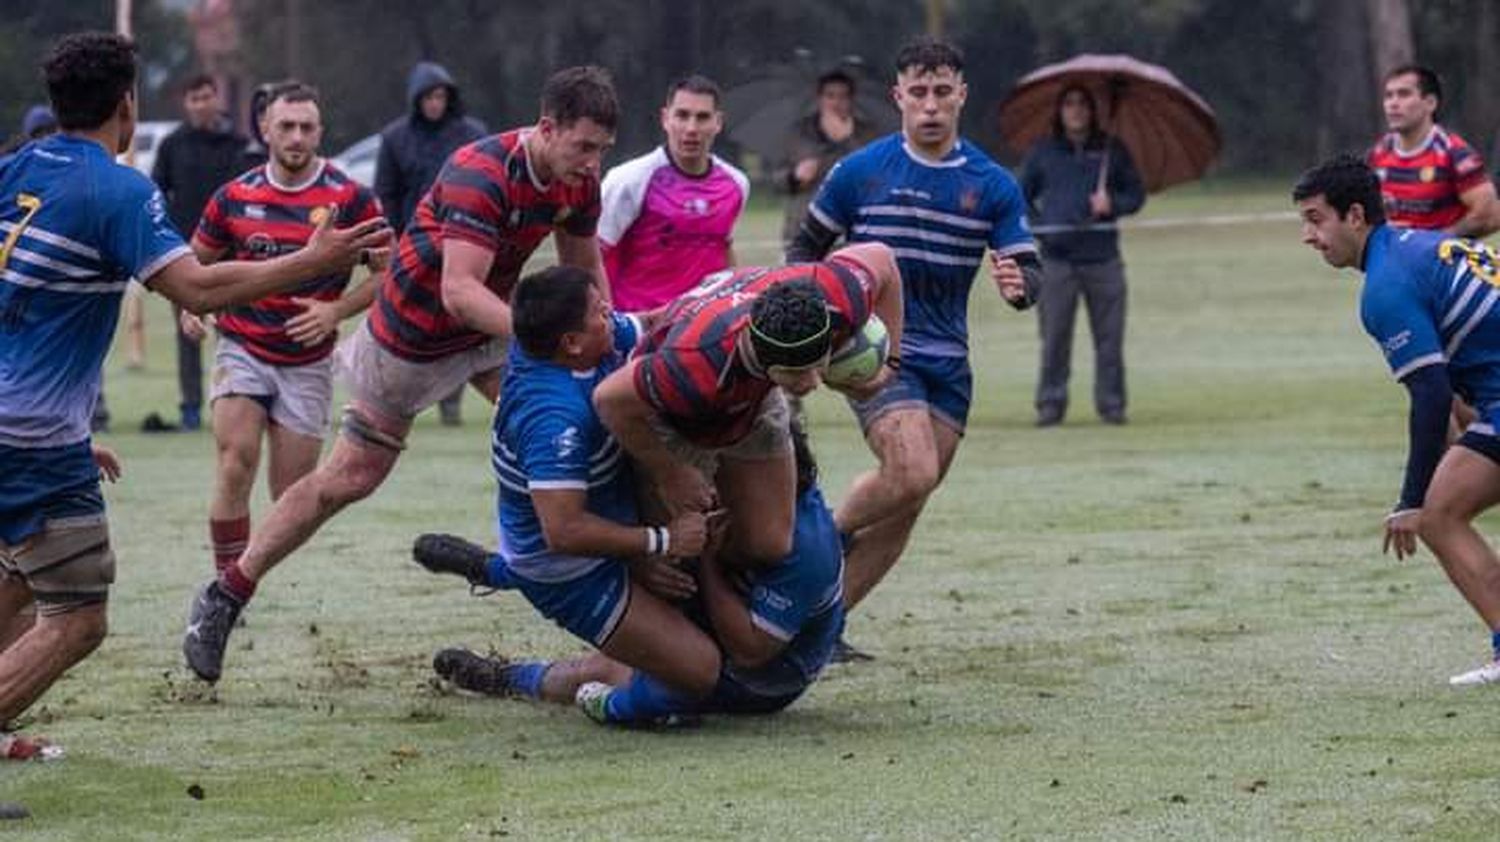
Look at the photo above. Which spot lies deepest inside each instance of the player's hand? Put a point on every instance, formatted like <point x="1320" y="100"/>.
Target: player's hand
<point x="317" y="321"/>
<point x="663" y="577"/>
<point x="1401" y="532"/>
<point x="805" y="171"/>
<point x="194" y="327"/>
<point x="866" y="389"/>
<point x="108" y="462"/>
<point x="684" y="489"/>
<point x="1099" y="204"/>
<point x="339" y="249"/>
<point x="1006" y="273"/>
<point x="686" y="534"/>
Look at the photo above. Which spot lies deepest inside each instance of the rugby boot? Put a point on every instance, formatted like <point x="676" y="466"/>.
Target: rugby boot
<point x="451" y="554"/>
<point x="210" y="620"/>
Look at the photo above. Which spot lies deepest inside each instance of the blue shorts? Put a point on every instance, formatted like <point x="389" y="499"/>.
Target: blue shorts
<point x="590" y="606"/>
<point x="944" y="386"/>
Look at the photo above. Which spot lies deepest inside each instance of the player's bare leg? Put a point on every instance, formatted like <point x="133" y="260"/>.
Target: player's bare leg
<point x="760" y="497"/>
<point x="1465" y="485"/>
<point x="562" y="680"/>
<point x="905" y="443"/>
<point x="293" y="456"/>
<point x="876" y="548"/>
<point x="363" y="456"/>
<point x="238" y="423"/>
<point x="17" y="610"/>
<point x="54" y="643"/>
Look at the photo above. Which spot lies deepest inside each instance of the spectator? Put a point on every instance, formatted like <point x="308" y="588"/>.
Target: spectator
<point x="193" y="161"/>
<point x="413" y="149"/>
<point x="816" y="142"/>
<point x="1077" y="183"/>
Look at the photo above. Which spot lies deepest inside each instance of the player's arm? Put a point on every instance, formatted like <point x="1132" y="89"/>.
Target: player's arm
<point x="813" y="241"/>
<point x="570" y="528"/>
<point x="320" y="318"/>
<point x="745" y="644"/>
<point x="1483" y="211"/>
<point x="582" y="252"/>
<point x="201" y="289"/>
<point x="466" y="265"/>
<point x="827" y="218"/>
<point x="1431" y="396"/>
<point x="629" y="418"/>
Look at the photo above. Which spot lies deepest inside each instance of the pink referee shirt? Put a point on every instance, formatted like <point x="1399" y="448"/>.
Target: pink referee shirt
<point x="662" y="230"/>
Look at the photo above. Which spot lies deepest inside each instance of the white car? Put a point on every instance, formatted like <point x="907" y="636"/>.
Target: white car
<point x="358" y="161"/>
<point x="148" y="138"/>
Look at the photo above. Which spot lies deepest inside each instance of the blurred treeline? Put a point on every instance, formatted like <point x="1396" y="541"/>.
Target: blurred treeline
<point x="1290" y="79"/>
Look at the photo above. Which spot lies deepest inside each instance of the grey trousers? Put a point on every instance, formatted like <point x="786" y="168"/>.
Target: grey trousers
<point x="1102" y="287"/>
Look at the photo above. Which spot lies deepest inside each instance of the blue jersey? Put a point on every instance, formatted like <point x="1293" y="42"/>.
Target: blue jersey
<point x="799" y="601"/>
<point x="547" y="436"/>
<point x="76" y="226"/>
<point x="1429" y="299"/>
<point x="938" y="218"/>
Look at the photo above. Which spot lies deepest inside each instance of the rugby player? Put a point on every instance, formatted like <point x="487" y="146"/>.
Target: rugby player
<point x="440" y="319"/>
<point x="668" y="216"/>
<point x="570" y="537"/>
<point x="776" y="624"/>
<point x="938" y="202"/>
<point x="701" y="406"/>
<point x="273" y="368"/>
<point x="76" y="227"/>
<point x="1428" y="301"/>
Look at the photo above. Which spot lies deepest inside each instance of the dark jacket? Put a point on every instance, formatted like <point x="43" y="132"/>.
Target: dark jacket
<point x="805" y="139"/>
<point x="191" y="164"/>
<point x="413" y="148"/>
<point x="1058" y="178"/>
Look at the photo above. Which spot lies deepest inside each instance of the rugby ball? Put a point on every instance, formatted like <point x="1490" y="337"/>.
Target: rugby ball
<point x="860" y="358"/>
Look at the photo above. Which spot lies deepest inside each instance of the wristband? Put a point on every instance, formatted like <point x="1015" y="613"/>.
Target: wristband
<point x="893" y="362"/>
<point x="653" y="541"/>
<point x="1399" y="512"/>
<point x="666" y="539"/>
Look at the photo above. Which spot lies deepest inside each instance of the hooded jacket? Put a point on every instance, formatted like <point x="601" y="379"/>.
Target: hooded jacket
<point x="413" y="148"/>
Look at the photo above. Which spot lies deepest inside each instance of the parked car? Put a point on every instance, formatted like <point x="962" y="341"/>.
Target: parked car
<point x="148" y="138"/>
<point x="358" y="161"/>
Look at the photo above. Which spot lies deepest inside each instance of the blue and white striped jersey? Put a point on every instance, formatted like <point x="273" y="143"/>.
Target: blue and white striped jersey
<point x="1429" y="299"/>
<point x="938" y="217"/>
<point x="74" y="227"/>
<point x="547" y="437"/>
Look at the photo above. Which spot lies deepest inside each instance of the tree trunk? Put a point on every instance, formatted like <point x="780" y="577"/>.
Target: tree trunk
<point x="1390" y="37"/>
<point x="1347" y="100"/>
<point x="1481" y="110"/>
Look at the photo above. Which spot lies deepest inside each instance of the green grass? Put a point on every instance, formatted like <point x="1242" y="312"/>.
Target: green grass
<point x="1182" y="629"/>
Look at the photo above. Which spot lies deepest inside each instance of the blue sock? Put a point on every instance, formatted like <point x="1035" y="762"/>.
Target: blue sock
<point x="497" y="573"/>
<point x="645" y="699"/>
<point x="525" y="677"/>
<point x="1495" y="643"/>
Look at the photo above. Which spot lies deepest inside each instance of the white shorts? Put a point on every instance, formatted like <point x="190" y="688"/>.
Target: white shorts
<point x="297" y="397"/>
<point x="402" y="388"/>
<point x="768" y="438"/>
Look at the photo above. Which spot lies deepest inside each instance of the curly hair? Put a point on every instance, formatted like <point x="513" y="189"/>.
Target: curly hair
<point x="87" y="74"/>
<point x="1344" y="181"/>
<point x="789" y="324"/>
<point x="929" y="55"/>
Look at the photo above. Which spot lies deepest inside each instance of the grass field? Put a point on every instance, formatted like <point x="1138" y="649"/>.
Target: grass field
<point x="1182" y="629"/>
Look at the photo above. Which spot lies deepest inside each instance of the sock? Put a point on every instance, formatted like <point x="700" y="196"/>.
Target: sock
<point x="497" y="573"/>
<point x="228" y="538"/>
<point x="525" y="677"/>
<point x="234" y="582"/>
<point x="645" y="699"/>
<point x="1495" y="643"/>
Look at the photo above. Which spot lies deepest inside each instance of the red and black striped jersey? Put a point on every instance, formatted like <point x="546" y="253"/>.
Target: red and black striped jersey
<point x="1421" y="188"/>
<point x="486" y="194"/>
<point x="689" y="370"/>
<point x="253" y="218"/>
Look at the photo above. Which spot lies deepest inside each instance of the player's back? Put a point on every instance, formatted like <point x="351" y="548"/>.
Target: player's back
<point x="65" y="259"/>
<point x="938" y="217"/>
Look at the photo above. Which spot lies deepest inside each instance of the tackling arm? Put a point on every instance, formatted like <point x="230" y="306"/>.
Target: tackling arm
<point x="583" y="253"/>
<point x="734" y="628"/>
<point x="465" y="296"/>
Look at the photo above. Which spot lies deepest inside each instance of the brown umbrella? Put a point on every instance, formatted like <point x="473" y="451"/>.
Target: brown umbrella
<point x="1171" y="132"/>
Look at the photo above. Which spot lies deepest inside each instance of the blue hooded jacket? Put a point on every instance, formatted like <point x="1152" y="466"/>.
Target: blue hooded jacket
<point x="413" y="148"/>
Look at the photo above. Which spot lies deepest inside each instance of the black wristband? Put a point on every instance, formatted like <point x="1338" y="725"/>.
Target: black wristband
<point x="893" y="362"/>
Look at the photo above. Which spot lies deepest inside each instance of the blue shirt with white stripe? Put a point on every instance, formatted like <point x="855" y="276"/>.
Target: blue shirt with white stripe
<point x="1429" y="299"/>
<point x="547" y="436"/>
<point x="938" y="217"/>
<point x="75" y="226"/>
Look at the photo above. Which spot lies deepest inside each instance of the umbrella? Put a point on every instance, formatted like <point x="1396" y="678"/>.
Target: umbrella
<point x="758" y="113"/>
<point x="1172" y="134"/>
